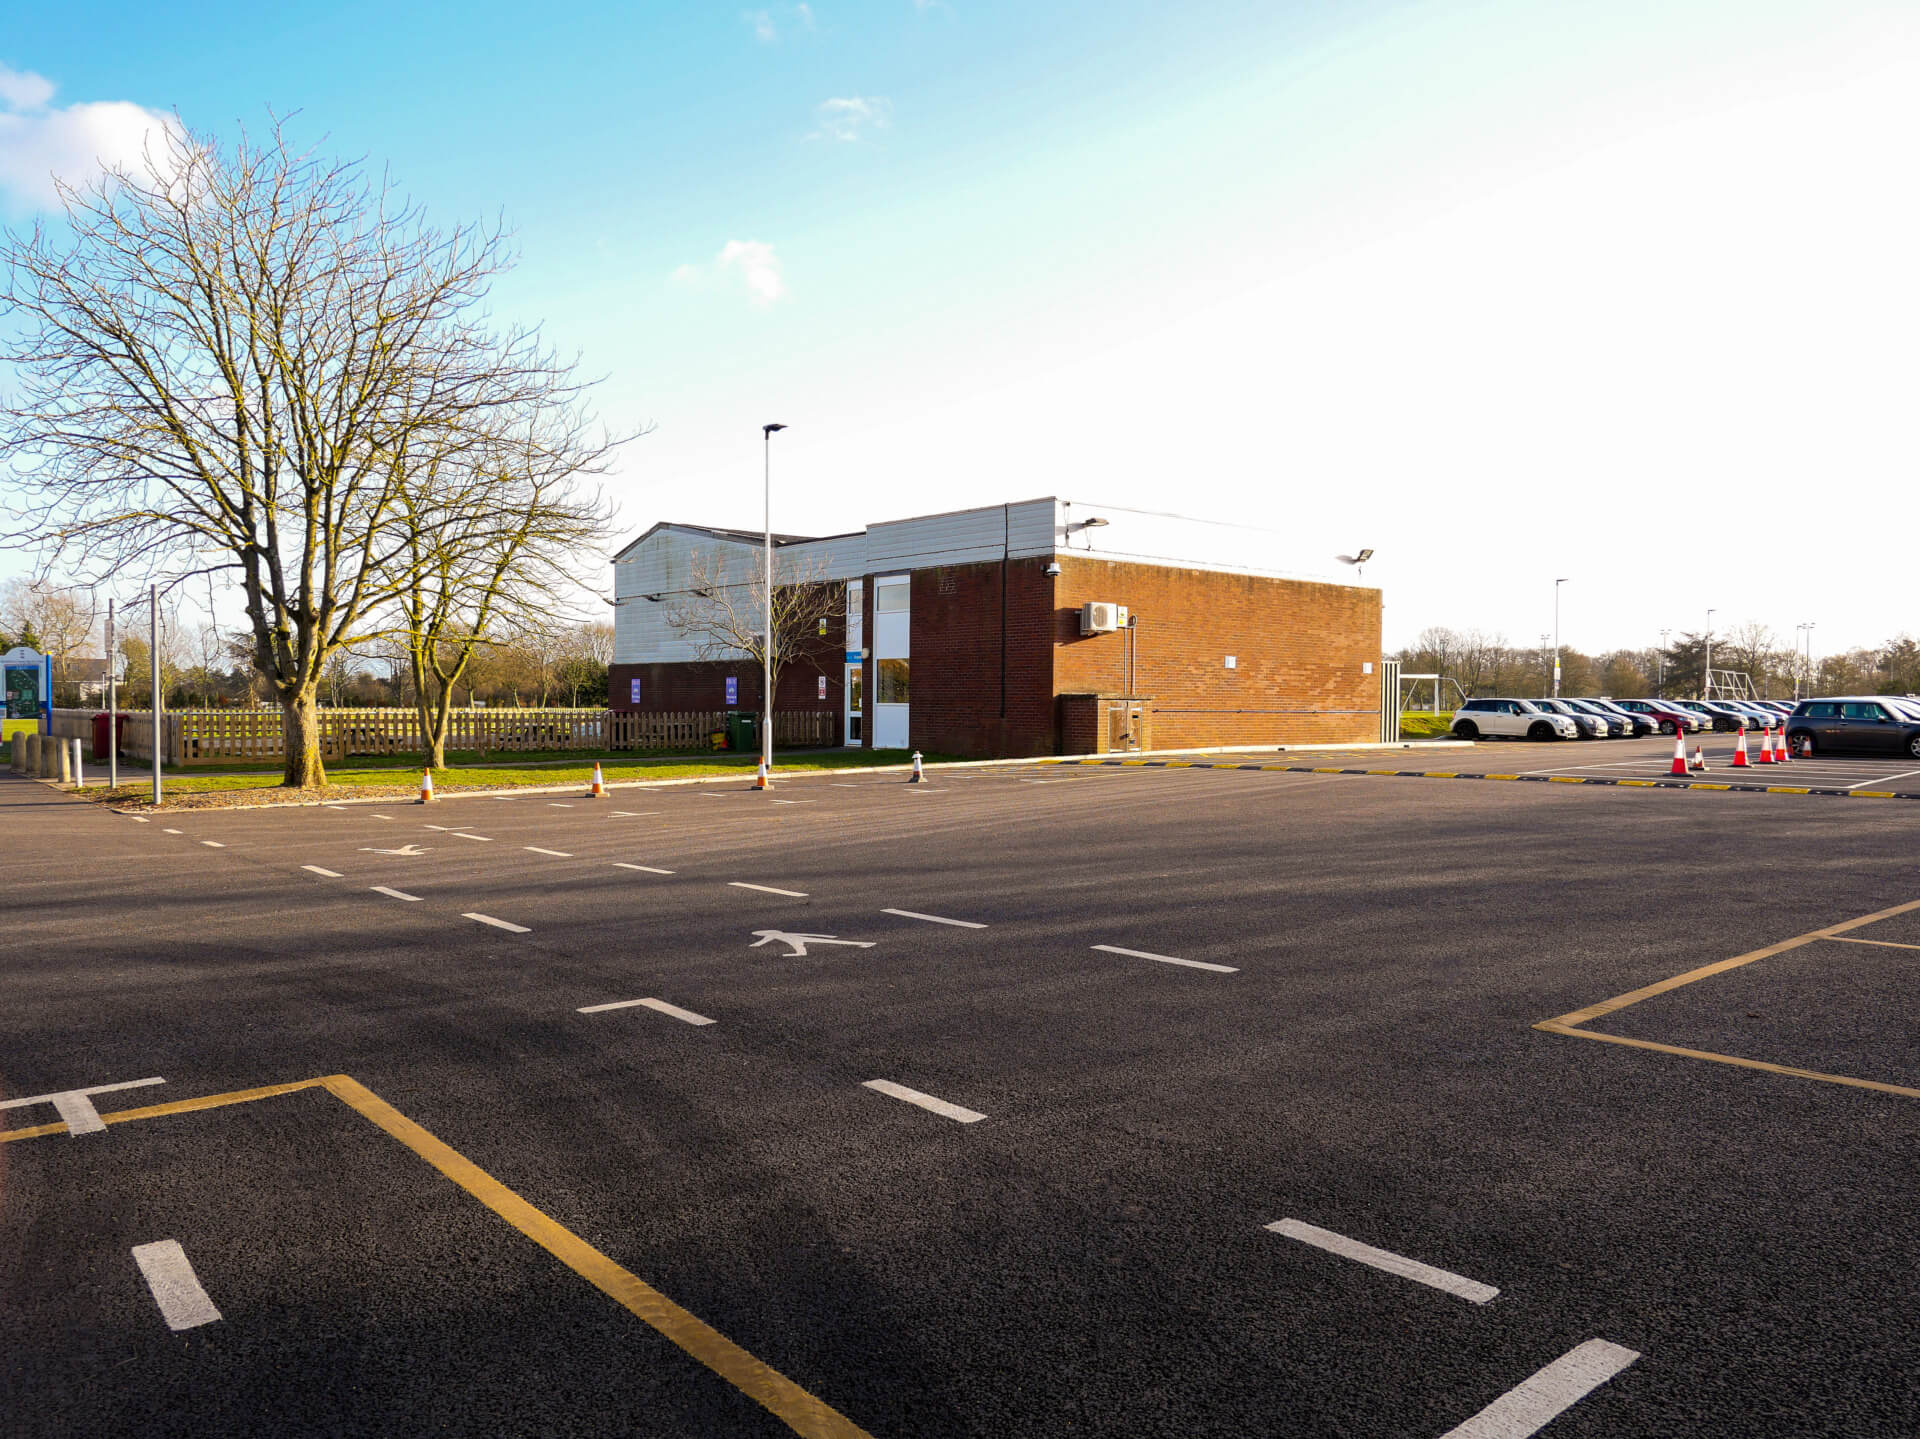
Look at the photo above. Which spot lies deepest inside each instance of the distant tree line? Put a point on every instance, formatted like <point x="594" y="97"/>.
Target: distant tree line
<point x="1488" y="664"/>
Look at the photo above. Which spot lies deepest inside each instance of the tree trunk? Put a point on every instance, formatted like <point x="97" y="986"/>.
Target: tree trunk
<point x="300" y="725"/>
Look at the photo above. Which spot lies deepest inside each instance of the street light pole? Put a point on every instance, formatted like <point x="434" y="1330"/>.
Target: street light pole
<point x="1556" y="637"/>
<point x="1660" y="662"/>
<point x="766" y="643"/>
<point x="1706" y="671"/>
<point x="153" y="664"/>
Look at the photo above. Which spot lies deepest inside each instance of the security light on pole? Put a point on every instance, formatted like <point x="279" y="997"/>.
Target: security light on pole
<point x="1556" y="636"/>
<point x="1706" y="670"/>
<point x="1357" y="561"/>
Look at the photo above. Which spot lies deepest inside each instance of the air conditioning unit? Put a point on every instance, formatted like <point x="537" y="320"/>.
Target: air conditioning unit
<point x="1097" y="618"/>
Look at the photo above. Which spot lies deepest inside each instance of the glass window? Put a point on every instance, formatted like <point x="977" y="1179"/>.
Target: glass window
<point x="891" y="599"/>
<point x="890" y="684"/>
<point x="856" y="688"/>
<point x="1822" y="711"/>
<point x="1864" y="712"/>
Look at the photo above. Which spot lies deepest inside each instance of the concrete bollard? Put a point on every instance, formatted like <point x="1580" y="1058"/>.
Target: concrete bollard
<point x="16" y="751"/>
<point x="79" y="763"/>
<point x="63" y="756"/>
<point x="36" y="757"/>
<point x="49" y="763"/>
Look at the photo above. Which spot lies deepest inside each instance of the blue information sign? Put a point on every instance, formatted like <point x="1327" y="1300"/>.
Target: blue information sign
<point x="733" y="689"/>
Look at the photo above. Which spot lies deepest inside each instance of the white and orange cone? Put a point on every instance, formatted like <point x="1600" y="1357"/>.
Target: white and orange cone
<point x="760" y="780"/>
<point x="1679" y="754"/>
<point x="1784" y="753"/>
<point x="1766" y="747"/>
<point x="426" y="786"/>
<point x="1699" y="760"/>
<point x="916" y="777"/>
<point x="1740" y="750"/>
<point x="599" y="790"/>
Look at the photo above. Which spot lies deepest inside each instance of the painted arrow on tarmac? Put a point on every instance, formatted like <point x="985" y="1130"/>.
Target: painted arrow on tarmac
<point x="801" y="941"/>
<point x="411" y="851"/>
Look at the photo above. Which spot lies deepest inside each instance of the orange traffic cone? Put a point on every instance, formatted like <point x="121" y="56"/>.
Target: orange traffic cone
<point x="1699" y="760"/>
<point x="916" y="777"/>
<point x="760" y="780"/>
<point x="1766" y="748"/>
<point x="1740" y="750"/>
<point x="1785" y="752"/>
<point x="599" y="790"/>
<point x="426" y="786"/>
<point x="1679" y="754"/>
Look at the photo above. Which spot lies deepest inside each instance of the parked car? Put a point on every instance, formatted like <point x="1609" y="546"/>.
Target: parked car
<point x="1779" y="707"/>
<point x="1672" y="718"/>
<point x="1710" y="716"/>
<point x="1511" y="719"/>
<point x="1592" y="725"/>
<point x="1864" y="723"/>
<point x="1638" y="725"/>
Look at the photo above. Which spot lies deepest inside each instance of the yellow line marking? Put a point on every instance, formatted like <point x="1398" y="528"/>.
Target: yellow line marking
<point x="1567" y="1024"/>
<point x="1869" y="793"/>
<point x="1438" y="774"/>
<point x="1551" y="1028"/>
<point x="1709" y="786"/>
<point x="1132" y="761"/>
<point x="1500" y="776"/>
<point x="1276" y="766"/>
<point x="1787" y="789"/>
<point x="1884" y="943"/>
<point x="1330" y="769"/>
<point x="1179" y="764"/>
<point x="1566" y="779"/>
<point x="780" y="1396"/>
<point x="1637" y="783"/>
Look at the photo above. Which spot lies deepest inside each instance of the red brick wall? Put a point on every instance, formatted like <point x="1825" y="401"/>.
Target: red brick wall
<point x="701" y="684"/>
<point x="955" y="665"/>
<point x="1299" y="646"/>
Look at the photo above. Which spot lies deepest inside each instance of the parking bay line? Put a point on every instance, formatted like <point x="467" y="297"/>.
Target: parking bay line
<point x="176" y="1288"/>
<point x="213" y="844"/>
<point x="768" y="889"/>
<point x="643" y="868"/>
<point x="324" y="873"/>
<point x="1468" y="1289"/>
<point x="497" y="923"/>
<point x="659" y="1005"/>
<point x="556" y="853"/>
<point x="925" y="1101"/>
<point x="1166" y="959"/>
<point x="935" y="919"/>
<point x="1545" y="1395"/>
<point x="395" y="893"/>
<point x="462" y="834"/>
<point x="795" y="1407"/>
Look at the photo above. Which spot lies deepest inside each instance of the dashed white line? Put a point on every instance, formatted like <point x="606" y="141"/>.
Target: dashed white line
<point x="793" y="801"/>
<point x="334" y="806"/>
<point x="447" y="828"/>
<point x="395" y="893"/>
<point x="838" y="785"/>
<point x="170" y="831"/>
<point x="136" y="819"/>
<point x="631" y="813"/>
<point x="176" y="1289"/>
<point x="556" y="805"/>
<point x="556" y="853"/>
<point x="1167" y="959"/>
<point x="497" y="923"/>
<point x="768" y="889"/>
<point x="935" y="919"/>
<point x="462" y="834"/>
<point x="1468" y="1289"/>
<point x="381" y="816"/>
<point x="661" y="1005"/>
<point x="925" y="1101"/>
<point x="644" y="868"/>
<point x="213" y="844"/>
<point x="1562" y="1384"/>
<point x="324" y="873"/>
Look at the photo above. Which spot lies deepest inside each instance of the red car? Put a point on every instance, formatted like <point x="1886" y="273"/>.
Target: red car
<point x="1670" y="719"/>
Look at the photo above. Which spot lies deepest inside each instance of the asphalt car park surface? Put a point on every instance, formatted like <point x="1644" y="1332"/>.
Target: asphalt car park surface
<point x="1002" y="1151"/>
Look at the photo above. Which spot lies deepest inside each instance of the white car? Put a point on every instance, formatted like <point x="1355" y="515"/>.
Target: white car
<point x="1511" y="719"/>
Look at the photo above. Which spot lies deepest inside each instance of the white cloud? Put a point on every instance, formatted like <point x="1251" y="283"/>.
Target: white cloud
<point x="762" y="23"/>
<point x="750" y="264"/>
<point x="850" y="118"/>
<point x="766" y="24"/>
<point x="23" y="90"/>
<point x="805" y="15"/>
<point x="71" y="142"/>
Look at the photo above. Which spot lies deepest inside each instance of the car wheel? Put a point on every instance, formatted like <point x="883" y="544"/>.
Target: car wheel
<point x="1540" y="730"/>
<point x="1913" y="745"/>
<point x="1801" y="743"/>
<point x="1466" y="729"/>
<point x="1667" y="726"/>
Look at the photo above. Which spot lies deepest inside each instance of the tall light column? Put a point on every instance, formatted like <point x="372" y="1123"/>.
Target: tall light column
<point x="766" y="643"/>
<point x="1556" y="637"/>
<point x="1660" y="661"/>
<point x="1706" y="670"/>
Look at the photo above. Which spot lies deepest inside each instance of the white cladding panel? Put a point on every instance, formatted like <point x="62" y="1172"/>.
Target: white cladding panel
<point x="964" y="537"/>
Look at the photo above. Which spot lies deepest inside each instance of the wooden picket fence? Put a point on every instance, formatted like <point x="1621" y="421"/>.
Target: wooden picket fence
<point x="253" y="736"/>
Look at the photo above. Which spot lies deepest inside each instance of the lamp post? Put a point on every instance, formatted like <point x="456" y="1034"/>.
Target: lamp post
<point x="766" y="644"/>
<point x="1706" y="670"/>
<point x="1660" y="664"/>
<point x="1556" y="637"/>
<point x="1806" y="629"/>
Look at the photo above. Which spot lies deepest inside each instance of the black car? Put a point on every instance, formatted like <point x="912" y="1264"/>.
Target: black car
<point x="1869" y="725"/>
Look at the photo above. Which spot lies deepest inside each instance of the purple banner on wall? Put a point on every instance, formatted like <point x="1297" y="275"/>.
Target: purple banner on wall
<point x="634" y="697"/>
<point x="733" y="689"/>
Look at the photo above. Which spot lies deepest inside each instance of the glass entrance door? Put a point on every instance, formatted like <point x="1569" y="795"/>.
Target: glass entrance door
<point x="856" y="715"/>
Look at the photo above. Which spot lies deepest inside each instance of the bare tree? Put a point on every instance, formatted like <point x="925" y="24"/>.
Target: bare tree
<point x="224" y="360"/>
<point x="60" y="620"/>
<point x="724" y="610"/>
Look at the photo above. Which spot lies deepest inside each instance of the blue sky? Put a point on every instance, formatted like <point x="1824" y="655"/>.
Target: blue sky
<point x="1505" y="290"/>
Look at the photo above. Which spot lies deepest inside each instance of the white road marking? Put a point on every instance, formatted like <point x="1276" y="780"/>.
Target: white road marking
<point x="935" y="919"/>
<point x="170" y="831"/>
<point x="136" y="819"/>
<point x="793" y="801"/>
<point x="556" y="805"/>
<point x="213" y="844"/>
<point x="382" y="816"/>
<point x="1551" y="1392"/>
<point x="925" y="1101"/>
<point x="497" y="923"/>
<point x="409" y="851"/>
<point x="556" y="853"/>
<point x="176" y="1289"/>
<point x="838" y="785"/>
<point x="768" y="889"/>
<point x="324" y="873"/>
<point x="335" y="806"/>
<point x="447" y="828"/>
<point x="657" y="1004"/>
<point x="1167" y="959"/>
<point x="631" y="813"/>
<point x="644" y="868"/>
<point x="799" y="942"/>
<point x="75" y="1106"/>
<point x="1468" y="1289"/>
<point x="395" y="893"/>
<point x="709" y="794"/>
<point x="1885" y="779"/>
<point x="483" y="838"/>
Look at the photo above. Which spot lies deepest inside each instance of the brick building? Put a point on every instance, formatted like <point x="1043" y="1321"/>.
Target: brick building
<point x="995" y="631"/>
